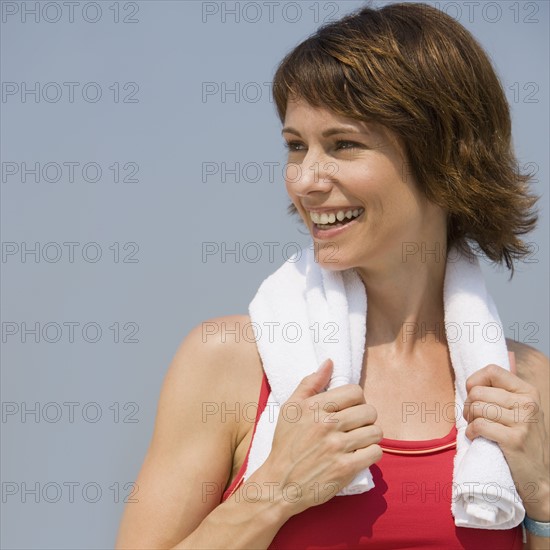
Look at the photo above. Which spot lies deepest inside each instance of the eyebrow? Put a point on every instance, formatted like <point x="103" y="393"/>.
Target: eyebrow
<point x="328" y="132"/>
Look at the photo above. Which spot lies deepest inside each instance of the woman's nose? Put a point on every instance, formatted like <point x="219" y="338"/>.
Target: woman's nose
<point x="314" y="173"/>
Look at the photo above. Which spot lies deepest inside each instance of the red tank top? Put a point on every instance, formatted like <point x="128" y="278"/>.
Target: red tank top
<point x="409" y="507"/>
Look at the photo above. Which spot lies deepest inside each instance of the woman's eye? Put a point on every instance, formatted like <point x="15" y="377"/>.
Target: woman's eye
<point x="298" y="146"/>
<point x="292" y="145"/>
<point x="346" y="145"/>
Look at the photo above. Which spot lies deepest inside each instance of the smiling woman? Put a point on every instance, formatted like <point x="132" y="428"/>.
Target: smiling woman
<point x="417" y="72"/>
<point x="418" y="425"/>
<point x="366" y="177"/>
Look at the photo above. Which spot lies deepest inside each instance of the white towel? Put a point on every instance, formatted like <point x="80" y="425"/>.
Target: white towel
<point x="304" y="314"/>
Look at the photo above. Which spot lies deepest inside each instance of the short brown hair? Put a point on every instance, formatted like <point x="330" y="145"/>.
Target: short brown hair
<point x="418" y="72"/>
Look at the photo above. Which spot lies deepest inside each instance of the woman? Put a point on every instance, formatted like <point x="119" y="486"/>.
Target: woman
<point x="396" y="125"/>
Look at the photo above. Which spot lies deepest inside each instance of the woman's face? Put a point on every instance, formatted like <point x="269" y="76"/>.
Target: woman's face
<point x="350" y="183"/>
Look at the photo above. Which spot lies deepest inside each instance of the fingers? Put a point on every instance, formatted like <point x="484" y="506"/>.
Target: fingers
<point x="362" y="458"/>
<point x="313" y="383"/>
<point x="513" y="366"/>
<point x="491" y="412"/>
<point x="497" y="377"/>
<point x="331" y="401"/>
<point x="355" y="417"/>
<point x="512" y="438"/>
<point x="486" y="394"/>
<point x="344" y="396"/>
<point x="498" y="405"/>
<point x="362" y="437"/>
<point x="481" y="427"/>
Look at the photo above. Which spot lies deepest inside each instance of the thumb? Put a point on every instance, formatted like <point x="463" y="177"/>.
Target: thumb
<point x="314" y="383"/>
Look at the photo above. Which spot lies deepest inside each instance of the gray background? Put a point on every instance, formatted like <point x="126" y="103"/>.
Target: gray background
<point x="165" y="287"/>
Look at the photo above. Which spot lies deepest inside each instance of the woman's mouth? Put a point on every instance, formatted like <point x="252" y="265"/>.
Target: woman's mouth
<point x="328" y="224"/>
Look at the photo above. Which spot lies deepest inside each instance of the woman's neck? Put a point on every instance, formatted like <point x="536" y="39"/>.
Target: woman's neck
<point x="405" y="304"/>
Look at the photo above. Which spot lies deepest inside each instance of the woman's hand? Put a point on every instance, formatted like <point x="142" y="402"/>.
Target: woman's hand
<point x="502" y="407"/>
<point x="322" y="440"/>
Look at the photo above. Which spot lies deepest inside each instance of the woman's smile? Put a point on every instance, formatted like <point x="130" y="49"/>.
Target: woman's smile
<point x="327" y="226"/>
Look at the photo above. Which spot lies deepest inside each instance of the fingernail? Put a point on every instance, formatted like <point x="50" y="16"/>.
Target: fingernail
<point x="322" y="365"/>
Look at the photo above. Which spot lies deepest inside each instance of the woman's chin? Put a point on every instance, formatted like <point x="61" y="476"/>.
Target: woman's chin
<point x="329" y="259"/>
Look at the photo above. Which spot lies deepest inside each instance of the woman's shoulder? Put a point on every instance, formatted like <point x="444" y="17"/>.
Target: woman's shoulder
<point x="219" y="357"/>
<point x="532" y="365"/>
<point x="224" y="339"/>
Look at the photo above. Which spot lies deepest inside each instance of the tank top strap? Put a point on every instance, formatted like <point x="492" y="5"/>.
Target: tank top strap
<point x="265" y="390"/>
<point x="418" y="447"/>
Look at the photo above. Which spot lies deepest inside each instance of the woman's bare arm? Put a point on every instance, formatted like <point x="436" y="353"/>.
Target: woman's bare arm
<point x="533" y="367"/>
<point x="191" y="454"/>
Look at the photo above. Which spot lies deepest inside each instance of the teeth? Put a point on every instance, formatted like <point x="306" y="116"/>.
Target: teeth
<point x="324" y="218"/>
